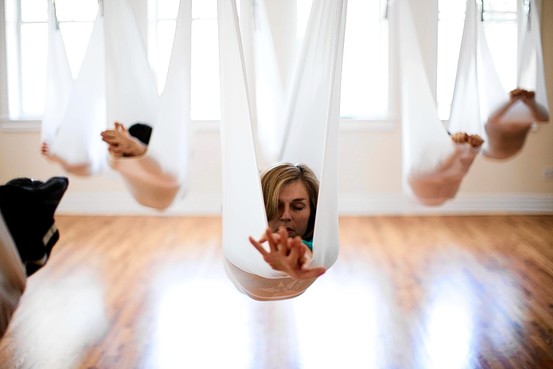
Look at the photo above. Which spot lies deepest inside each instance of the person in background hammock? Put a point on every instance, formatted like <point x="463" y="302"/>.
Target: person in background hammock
<point x="290" y="192"/>
<point x="123" y="142"/>
<point x="506" y="131"/>
<point x="528" y="98"/>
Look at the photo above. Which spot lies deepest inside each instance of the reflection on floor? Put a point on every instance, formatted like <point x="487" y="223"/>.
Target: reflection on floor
<point x="406" y="292"/>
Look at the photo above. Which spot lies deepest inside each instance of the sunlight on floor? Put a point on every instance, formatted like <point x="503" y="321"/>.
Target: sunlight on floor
<point x="80" y="319"/>
<point x="450" y="328"/>
<point x="192" y="322"/>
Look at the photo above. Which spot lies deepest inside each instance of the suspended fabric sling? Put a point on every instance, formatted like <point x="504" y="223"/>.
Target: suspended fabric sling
<point x="157" y="178"/>
<point x="312" y="138"/>
<point x="75" y="110"/>
<point x="466" y="114"/>
<point x="507" y="127"/>
<point x="12" y="277"/>
<point x="434" y="165"/>
<point x="268" y="99"/>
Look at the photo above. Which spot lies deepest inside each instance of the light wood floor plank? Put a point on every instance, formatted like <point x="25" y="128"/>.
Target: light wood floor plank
<point x="454" y="292"/>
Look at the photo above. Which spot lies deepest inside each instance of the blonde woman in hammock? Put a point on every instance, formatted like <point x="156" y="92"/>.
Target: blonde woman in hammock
<point x="290" y="192"/>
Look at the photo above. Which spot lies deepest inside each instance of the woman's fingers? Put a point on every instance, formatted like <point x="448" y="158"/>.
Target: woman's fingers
<point x="284" y="245"/>
<point x="270" y="238"/>
<point x="294" y="256"/>
<point x="258" y="246"/>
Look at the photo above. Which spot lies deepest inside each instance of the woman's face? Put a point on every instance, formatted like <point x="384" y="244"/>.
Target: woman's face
<point x="294" y="210"/>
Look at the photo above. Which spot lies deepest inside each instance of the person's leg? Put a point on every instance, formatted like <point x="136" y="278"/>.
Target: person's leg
<point x="28" y="208"/>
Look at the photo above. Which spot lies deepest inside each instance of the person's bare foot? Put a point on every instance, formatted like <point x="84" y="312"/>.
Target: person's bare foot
<point x="44" y="150"/>
<point x="522" y="93"/>
<point x="475" y="140"/>
<point x="121" y="143"/>
<point x="462" y="137"/>
<point x="459" y="137"/>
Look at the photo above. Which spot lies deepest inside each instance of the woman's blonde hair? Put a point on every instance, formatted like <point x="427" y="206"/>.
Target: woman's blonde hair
<point x="274" y="178"/>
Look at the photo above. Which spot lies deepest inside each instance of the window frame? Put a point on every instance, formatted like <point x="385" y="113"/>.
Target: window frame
<point x="429" y="43"/>
<point x="520" y="11"/>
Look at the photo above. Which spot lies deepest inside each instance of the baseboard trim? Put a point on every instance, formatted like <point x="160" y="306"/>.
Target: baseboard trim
<point x="118" y="203"/>
<point x="463" y="204"/>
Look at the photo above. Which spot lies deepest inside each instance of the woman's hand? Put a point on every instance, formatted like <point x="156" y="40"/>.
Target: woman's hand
<point x="288" y="255"/>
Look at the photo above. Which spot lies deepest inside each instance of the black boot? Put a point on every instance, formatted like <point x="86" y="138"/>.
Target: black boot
<point x="28" y="208"/>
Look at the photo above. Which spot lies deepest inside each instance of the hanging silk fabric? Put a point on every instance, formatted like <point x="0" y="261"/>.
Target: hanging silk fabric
<point x="75" y="110"/>
<point x="156" y="178"/>
<point x="311" y="138"/>
<point x="514" y="114"/>
<point x="12" y="277"/>
<point x="269" y="90"/>
<point x="434" y="166"/>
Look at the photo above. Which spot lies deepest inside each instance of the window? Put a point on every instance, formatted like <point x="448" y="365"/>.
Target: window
<point x="204" y="58"/>
<point x="501" y="28"/>
<point x="365" y="71"/>
<point x="26" y="31"/>
<point x="365" y="76"/>
<point x="205" y="61"/>
<point x="27" y="41"/>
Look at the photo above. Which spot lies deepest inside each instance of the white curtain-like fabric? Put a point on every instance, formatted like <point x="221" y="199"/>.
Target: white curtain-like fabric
<point x="157" y="178"/>
<point x="434" y="166"/>
<point x="531" y="75"/>
<point x="465" y="106"/>
<point x="316" y="96"/>
<point x="131" y="90"/>
<point x="509" y="122"/>
<point x="269" y="90"/>
<point x="75" y="112"/>
<point x="59" y="79"/>
<point x="12" y="277"/>
<point x="314" y="115"/>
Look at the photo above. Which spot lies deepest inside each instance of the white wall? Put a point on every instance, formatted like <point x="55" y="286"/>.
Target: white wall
<point x="369" y="176"/>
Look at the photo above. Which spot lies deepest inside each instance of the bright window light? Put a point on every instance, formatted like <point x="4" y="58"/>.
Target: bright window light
<point x="27" y="48"/>
<point x="365" y="70"/>
<point x="204" y="58"/>
<point x="500" y="25"/>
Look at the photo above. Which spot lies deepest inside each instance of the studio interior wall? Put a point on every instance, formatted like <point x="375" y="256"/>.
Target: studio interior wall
<point x="370" y="180"/>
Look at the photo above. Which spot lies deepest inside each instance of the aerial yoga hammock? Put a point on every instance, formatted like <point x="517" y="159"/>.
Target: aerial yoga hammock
<point x="311" y="138"/>
<point x="75" y="110"/>
<point x="435" y="163"/>
<point x="269" y="95"/>
<point x="507" y="127"/>
<point x="155" y="179"/>
<point x="116" y="84"/>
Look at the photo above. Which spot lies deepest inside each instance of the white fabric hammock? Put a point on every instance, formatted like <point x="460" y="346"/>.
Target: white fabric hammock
<point x="12" y="277"/>
<point x="269" y="91"/>
<point x="155" y="179"/>
<point x="116" y="83"/>
<point x="434" y="166"/>
<point x="508" y="126"/>
<point x="75" y="110"/>
<point x="312" y="138"/>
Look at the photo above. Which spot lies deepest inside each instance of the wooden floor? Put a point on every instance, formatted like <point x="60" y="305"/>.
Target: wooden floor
<point x="406" y="292"/>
